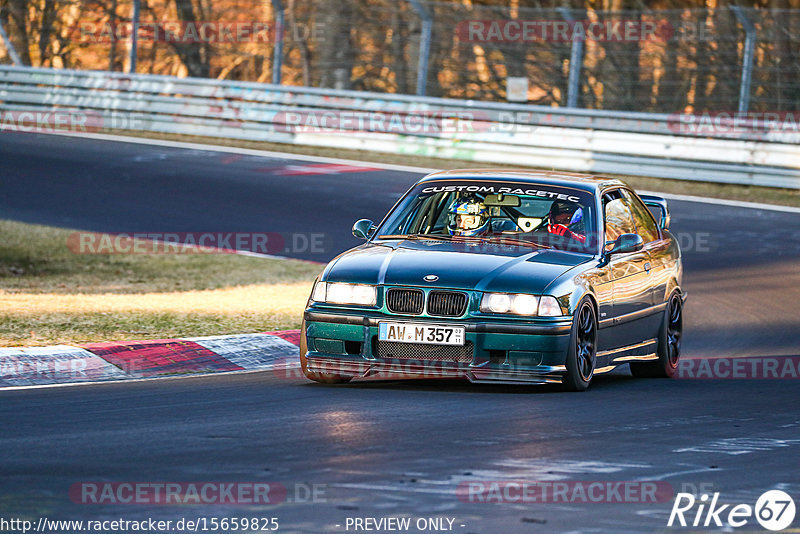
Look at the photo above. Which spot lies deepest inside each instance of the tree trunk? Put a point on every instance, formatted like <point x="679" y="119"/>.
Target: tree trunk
<point x="112" y="46"/>
<point x="48" y="20"/>
<point x="407" y="31"/>
<point x="667" y="98"/>
<point x="702" y="74"/>
<point x="787" y="60"/>
<point x="194" y="56"/>
<point x="302" y="43"/>
<point x="725" y="65"/>
<point x="337" y="54"/>
<point x="619" y="69"/>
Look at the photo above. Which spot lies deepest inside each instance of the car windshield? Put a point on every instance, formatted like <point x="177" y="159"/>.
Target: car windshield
<point x="508" y="213"/>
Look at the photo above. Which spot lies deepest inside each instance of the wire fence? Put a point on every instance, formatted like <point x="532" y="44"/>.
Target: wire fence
<point x="681" y="60"/>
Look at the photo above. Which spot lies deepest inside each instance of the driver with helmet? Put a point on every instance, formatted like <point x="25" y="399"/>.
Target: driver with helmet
<point x="562" y="217"/>
<point x="468" y="217"/>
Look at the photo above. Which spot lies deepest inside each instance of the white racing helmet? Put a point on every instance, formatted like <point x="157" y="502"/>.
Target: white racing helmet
<point x="467" y="217"/>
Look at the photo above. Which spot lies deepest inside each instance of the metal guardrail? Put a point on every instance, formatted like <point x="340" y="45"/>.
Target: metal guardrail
<point x="568" y="139"/>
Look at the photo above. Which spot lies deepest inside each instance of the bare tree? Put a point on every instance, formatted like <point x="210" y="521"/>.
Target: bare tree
<point x="301" y="41"/>
<point x="336" y="55"/>
<point x="619" y="69"/>
<point x="194" y="55"/>
<point x="786" y="56"/>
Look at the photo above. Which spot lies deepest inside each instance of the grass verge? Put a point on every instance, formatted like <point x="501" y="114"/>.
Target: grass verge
<point x="49" y="294"/>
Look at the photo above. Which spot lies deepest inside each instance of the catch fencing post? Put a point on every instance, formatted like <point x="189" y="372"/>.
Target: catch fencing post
<point x="575" y="62"/>
<point x="747" y="58"/>
<point x="134" y="36"/>
<point x="424" y="46"/>
<point x="277" y="59"/>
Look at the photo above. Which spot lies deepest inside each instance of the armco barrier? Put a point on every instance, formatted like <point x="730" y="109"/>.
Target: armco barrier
<point x="567" y="139"/>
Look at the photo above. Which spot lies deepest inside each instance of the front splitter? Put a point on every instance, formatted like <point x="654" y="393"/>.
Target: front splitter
<point x="396" y="369"/>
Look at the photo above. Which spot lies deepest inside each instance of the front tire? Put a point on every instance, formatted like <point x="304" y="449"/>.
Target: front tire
<point x="582" y="352"/>
<point x="669" y="343"/>
<point x="322" y="378"/>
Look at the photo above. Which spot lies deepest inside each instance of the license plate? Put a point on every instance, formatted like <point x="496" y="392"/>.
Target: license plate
<point x="430" y="334"/>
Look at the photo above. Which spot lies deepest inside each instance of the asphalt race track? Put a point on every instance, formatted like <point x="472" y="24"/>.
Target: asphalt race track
<point x="395" y="448"/>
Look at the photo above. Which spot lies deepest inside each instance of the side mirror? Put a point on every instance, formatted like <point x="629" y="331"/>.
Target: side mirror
<point x="626" y="243"/>
<point x="364" y="228"/>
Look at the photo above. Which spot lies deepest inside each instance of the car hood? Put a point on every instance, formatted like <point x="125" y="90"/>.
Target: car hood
<point x="458" y="265"/>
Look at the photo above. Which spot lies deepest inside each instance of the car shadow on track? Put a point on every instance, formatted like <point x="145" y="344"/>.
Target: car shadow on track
<point x="610" y="381"/>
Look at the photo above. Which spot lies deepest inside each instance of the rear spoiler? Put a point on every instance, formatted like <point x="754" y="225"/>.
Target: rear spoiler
<point x="660" y="203"/>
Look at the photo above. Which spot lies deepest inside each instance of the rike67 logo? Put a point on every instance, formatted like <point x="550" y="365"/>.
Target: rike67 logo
<point x="774" y="510"/>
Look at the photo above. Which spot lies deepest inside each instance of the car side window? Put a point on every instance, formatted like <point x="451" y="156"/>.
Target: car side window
<point x="619" y="219"/>
<point x="645" y="224"/>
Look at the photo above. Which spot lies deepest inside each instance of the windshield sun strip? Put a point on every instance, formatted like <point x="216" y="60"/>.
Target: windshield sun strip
<point x="495" y="240"/>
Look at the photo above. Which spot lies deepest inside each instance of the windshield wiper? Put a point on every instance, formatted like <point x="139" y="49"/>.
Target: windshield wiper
<point x="508" y="241"/>
<point x="435" y="237"/>
<point x="456" y="238"/>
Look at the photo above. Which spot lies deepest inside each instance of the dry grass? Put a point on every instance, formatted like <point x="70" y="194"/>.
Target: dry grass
<point x="49" y="295"/>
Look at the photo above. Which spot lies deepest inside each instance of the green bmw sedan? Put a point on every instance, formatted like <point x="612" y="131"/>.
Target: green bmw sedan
<point x="513" y="277"/>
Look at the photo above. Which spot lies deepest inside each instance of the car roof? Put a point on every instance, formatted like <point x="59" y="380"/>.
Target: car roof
<point x="588" y="182"/>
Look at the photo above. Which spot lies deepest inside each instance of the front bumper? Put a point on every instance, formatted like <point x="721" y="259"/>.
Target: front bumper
<point x="512" y="352"/>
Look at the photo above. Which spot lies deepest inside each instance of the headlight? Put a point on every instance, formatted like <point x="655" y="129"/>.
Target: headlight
<point x="496" y="303"/>
<point x="548" y="307"/>
<point x="520" y="304"/>
<point x="517" y="304"/>
<point x="320" y="291"/>
<point x="338" y="293"/>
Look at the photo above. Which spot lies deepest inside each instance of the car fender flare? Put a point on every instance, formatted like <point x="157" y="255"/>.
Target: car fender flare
<point x="569" y="290"/>
<point x="672" y="286"/>
<point x="578" y="295"/>
<point x="593" y="300"/>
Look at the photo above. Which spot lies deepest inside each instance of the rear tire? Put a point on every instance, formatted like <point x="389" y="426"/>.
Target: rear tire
<point x="669" y="343"/>
<point x="322" y="378"/>
<point x="582" y="352"/>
